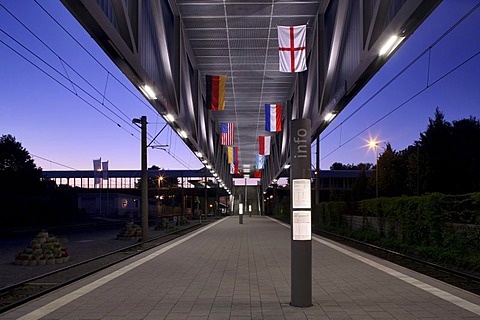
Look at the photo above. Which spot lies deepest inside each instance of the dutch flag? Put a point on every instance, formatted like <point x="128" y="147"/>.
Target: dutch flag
<point x="273" y="117"/>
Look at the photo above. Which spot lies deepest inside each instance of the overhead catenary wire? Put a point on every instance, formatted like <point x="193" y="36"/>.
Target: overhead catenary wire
<point x="67" y="77"/>
<point x="428" y="85"/>
<point x="63" y="63"/>
<point x="126" y="118"/>
<point x="84" y="100"/>
<point x="56" y="80"/>
<point x="100" y="64"/>
<point x="93" y="57"/>
<point x="408" y="66"/>
<point x="63" y="85"/>
<point x="54" y="162"/>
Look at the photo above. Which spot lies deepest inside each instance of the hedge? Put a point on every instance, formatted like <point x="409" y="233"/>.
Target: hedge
<point x="436" y="221"/>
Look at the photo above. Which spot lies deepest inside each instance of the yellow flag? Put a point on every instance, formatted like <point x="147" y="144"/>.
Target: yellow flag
<point x="230" y="154"/>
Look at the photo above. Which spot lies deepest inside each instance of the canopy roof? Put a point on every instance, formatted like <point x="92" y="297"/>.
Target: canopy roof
<point x="172" y="45"/>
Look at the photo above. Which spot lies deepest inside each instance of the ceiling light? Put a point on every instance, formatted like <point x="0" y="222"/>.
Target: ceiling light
<point x="149" y="92"/>
<point x="208" y="166"/>
<point x="329" y="117"/>
<point x="169" y="117"/>
<point x="286" y="166"/>
<point x="390" y="45"/>
<point x="204" y="161"/>
<point x="198" y="154"/>
<point x="183" y="134"/>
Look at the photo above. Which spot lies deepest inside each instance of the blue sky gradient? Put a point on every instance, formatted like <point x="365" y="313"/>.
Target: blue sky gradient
<point x="53" y="120"/>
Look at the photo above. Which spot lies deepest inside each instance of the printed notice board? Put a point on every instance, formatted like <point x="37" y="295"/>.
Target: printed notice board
<point x="301" y="194"/>
<point x="302" y="225"/>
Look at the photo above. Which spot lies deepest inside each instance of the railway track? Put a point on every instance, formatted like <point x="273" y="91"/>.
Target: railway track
<point x="22" y="292"/>
<point x="456" y="278"/>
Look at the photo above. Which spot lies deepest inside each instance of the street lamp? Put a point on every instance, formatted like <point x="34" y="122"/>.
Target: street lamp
<point x="160" y="179"/>
<point x="373" y="144"/>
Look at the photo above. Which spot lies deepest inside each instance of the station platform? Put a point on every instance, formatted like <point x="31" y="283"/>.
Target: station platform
<point x="228" y="270"/>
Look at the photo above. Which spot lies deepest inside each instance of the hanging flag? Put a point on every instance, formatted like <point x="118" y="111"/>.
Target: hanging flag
<point x="291" y="48"/>
<point x="226" y="133"/>
<point x="264" y="145"/>
<point x="257" y="173"/>
<point x="105" y="170"/>
<point x="234" y="166"/>
<point x="234" y="169"/>
<point x="273" y="117"/>
<point x="259" y="161"/>
<point x="235" y="156"/>
<point x="231" y="152"/>
<point x="97" y="169"/>
<point x="215" y="86"/>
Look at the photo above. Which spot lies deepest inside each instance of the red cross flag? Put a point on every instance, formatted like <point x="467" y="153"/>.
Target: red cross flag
<point x="291" y="48"/>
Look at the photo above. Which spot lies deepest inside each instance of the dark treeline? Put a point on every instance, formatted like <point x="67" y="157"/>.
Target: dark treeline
<point x="26" y="199"/>
<point x="445" y="159"/>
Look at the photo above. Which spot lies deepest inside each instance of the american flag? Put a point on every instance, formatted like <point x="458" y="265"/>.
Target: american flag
<point x="226" y="136"/>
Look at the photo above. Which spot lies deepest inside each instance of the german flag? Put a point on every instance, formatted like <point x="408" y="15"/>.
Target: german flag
<point x="216" y="92"/>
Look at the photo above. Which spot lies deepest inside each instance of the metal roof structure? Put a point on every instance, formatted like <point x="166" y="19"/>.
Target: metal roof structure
<point x="171" y="45"/>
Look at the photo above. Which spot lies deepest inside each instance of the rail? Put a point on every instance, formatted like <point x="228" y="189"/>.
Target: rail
<point x="24" y="291"/>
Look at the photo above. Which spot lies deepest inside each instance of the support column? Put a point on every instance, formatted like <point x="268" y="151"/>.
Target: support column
<point x="240" y="209"/>
<point x="205" y="202"/>
<point x="301" y="231"/>
<point x="144" y="192"/>
<point x="183" y="200"/>
<point x="144" y="180"/>
<point x="317" y="176"/>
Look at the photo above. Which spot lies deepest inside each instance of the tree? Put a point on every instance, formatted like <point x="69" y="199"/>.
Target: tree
<point x="449" y="156"/>
<point x="360" y="166"/>
<point x="18" y="172"/>
<point x="436" y="149"/>
<point x="410" y="159"/>
<point x="360" y="187"/>
<point x="466" y="155"/>
<point x="337" y="166"/>
<point x="391" y="173"/>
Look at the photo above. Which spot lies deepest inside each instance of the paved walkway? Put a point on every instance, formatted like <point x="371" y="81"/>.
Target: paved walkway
<point x="232" y="271"/>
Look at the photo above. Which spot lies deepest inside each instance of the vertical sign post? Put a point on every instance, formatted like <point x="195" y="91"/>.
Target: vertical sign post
<point x="240" y="213"/>
<point x="144" y="200"/>
<point x="240" y="209"/>
<point x="300" y="194"/>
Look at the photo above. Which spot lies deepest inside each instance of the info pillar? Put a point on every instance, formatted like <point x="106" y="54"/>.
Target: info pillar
<point x="301" y="211"/>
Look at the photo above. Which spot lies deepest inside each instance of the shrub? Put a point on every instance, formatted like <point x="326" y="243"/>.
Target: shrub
<point x="441" y="228"/>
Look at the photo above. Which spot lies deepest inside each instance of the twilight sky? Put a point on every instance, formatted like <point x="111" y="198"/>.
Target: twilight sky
<point x="55" y="121"/>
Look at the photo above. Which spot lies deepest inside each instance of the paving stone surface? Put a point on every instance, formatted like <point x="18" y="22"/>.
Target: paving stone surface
<point x="242" y="271"/>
